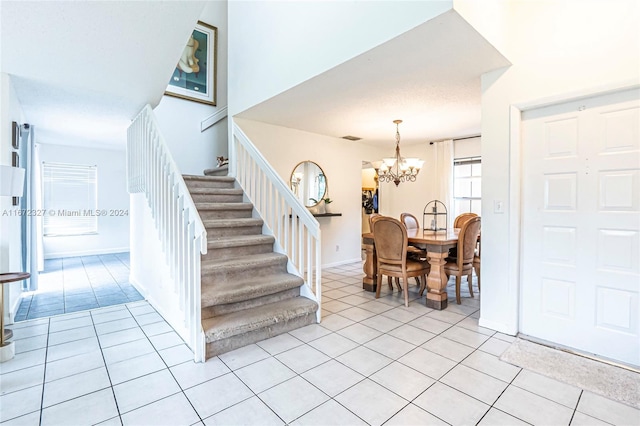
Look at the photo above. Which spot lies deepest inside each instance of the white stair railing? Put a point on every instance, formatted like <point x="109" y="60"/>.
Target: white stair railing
<point x="296" y="231"/>
<point x="151" y="170"/>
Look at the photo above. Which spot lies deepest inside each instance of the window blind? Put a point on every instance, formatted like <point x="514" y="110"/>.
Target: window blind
<point x="70" y="199"/>
<point x="467" y="185"/>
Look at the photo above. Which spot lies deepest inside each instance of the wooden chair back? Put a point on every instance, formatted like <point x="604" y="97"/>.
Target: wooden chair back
<point x="391" y="240"/>
<point x="372" y="216"/>
<point x="410" y="221"/>
<point x="462" y="218"/>
<point x="467" y="239"/>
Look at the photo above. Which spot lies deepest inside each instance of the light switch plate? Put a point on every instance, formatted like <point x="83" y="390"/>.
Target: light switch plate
<point x="498" y="206"/>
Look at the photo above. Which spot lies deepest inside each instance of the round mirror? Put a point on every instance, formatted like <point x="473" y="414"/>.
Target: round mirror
<point x="309" y="183"/>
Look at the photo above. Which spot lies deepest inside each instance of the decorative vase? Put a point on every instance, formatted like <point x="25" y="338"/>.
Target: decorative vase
<point x="327" y="208"/>
<point x="320" y="208"/>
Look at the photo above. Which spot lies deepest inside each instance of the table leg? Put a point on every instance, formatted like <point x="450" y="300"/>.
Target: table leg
<point x="370" y="268"/>
<point x="437" y="281"/>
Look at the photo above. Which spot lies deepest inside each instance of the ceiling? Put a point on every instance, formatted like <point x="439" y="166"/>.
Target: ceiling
<point x="83" y="69"/>
<point x="429" y="77"/>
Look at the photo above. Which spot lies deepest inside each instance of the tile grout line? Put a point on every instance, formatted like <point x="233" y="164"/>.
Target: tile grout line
<point x="109" y="272"/>
<point x="113" y="392"/>
<point x="232" y="371"/>
<point x="93" y="290"/>
<point x="576" y="407"/>
<point x="44" y="373"/>
<point x="419" y="346"/>
<point x="166" y="365"/>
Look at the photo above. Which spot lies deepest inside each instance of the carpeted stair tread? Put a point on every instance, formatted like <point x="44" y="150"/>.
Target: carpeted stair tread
<point x="215" y="191"/>
<point x="245" y="262"/>
<point x="223" y="206"/>
<point x="228" y="291"/>
<point x="209" y="178"/>
<point x="220" y="171"/>
<point x="246" y="321"/>
<point x="232" y="223"/>
<point x="240" y="241"/>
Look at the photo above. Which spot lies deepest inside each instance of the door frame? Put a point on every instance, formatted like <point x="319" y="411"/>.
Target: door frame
<point x="513" y="299"/>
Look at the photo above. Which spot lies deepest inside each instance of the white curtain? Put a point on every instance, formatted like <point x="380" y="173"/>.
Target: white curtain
<point x="36" y="257"/>
<point x="444" y="173"/>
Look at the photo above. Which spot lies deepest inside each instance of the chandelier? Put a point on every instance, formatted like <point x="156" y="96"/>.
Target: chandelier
<point x="398" y="169"/>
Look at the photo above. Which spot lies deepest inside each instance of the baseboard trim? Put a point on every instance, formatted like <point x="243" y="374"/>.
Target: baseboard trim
<point x="86" y="252"/>
<point x="497" y="326"/>
<point x="138" y="287"/>
<point x="213" y="119"/>
<point x="13" y="310"/>
<point x="341" y="262"/>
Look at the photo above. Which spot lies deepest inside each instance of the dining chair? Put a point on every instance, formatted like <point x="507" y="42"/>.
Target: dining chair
<point x="415" y="253"/>
<point x="457" y="223"/>
<point x="411" y="223"/>
<point x="476" y="262"/>
<point x="462" y="218"/>
<point x="372" y="218"/>
<point x="390" y="237"/>
<point x="462" y="265"/>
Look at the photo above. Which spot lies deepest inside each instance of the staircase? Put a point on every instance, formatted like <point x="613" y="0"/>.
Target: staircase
<point x="247" y="293"/>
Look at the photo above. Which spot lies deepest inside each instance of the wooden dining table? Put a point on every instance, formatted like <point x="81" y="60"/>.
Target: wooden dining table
<point x="437" y="245"/>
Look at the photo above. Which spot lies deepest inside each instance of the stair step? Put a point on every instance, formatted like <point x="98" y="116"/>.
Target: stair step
<point x="216" y="195"/>
<point x="224" y="210"/>
<point x="234" y="247"/>
<point x="209" y="178"/>
<point x="216" y="191"/>
<point x="227" y="332"/>
<point x="220" y="171"/>
<point x="240" y="241"/>
<point x="247" y="267"/>
<point x="194" y="181"/>
<point x="253" y="288"/>
<point x="220" y="228"/>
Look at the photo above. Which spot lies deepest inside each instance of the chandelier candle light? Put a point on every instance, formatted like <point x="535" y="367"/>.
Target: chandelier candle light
<point x="398" y="169"/>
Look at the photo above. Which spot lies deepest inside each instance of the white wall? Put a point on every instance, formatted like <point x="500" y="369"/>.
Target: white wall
<point x="10" y="259"/>
<point x="113" y="231"/>
<point x="342" y="163"/>
<point x="558" y="49"/>
<point x="290" y="42"/>
<point x="149" y="271"/>
<point x="180" y="120"/>
<point x="411" y="197"/>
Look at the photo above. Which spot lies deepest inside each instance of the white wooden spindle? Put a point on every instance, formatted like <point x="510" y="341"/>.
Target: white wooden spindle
<point x="296" y="231"/>
<point x="152" y="171"/>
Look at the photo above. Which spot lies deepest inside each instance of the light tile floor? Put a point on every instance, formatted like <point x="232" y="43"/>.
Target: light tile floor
<point x="73" y="284"/>
<point x="369" y="362"/>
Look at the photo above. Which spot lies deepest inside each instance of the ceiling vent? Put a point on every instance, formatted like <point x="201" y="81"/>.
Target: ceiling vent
<point x="351" y="138"/>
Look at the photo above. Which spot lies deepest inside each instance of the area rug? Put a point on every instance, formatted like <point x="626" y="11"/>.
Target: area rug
<point x="600" y="378"/>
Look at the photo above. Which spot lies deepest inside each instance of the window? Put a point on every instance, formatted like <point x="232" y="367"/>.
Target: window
<point x="70" y="199"/>
<point x="467" y="184"/>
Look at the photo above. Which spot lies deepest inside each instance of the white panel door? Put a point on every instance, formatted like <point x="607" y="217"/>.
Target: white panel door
<point x="580" y="278"/>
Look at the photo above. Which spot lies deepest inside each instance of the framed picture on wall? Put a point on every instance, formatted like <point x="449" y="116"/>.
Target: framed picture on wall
<point x="15" y="135"/>
<point x="194" y="77"/>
